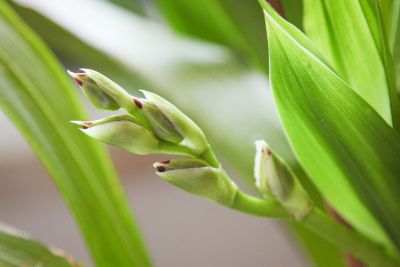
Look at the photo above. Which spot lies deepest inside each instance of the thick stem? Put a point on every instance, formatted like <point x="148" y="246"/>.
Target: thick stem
<point x="259" y="207"/>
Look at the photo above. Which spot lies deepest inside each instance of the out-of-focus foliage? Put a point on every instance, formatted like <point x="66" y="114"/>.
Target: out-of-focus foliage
<point x="16" y="250"/>
<point x="40" y="100"/>
<point x="235" y="24"/>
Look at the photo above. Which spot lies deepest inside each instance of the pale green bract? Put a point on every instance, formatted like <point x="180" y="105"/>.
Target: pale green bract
<point x="275" y="179"/>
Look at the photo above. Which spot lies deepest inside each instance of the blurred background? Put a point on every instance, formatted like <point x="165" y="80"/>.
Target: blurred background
<point x="211" y="62"/>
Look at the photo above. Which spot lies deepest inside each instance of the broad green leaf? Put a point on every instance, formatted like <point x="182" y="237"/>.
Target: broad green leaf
<point x="350" y="35"/>
<point x="347" y="149"/>
<point x="205" y="85"/>
<point x="39" y="98"/>
<point x="17" y="249"/>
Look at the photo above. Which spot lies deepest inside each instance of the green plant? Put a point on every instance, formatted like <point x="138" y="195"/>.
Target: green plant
<point x="335" y="90"/>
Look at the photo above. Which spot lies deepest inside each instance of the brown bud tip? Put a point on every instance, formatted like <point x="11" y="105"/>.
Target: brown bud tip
<point x="160" y="168"/>
<point x="86" y="124"/>
<point x="137" y="102"/>
<point x="166" y="162"/>
<point x="77" y="76"/>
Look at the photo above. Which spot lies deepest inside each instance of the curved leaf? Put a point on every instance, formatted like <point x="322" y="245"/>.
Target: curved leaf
<point x="347" y="149"/>
<point x="38" y="97"/>
<point x="17" y="249"/>
<point x="350" y="34"/>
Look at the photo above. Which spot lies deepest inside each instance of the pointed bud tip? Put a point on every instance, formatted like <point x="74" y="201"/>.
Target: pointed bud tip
<point x="159" y="166"/>
<point x="77" y="76"/>
<point x="137" y="102"/>
<point x="83" y="124"/>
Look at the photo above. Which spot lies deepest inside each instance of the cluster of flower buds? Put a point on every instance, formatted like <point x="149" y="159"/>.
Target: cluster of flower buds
<point x="152" y="125"/>
<point x="152" y="119"/>
<point x="275" y="179"/>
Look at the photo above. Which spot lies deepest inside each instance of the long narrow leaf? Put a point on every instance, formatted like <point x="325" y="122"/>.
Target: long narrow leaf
<point x="391" y="18"/>
<point x="350" y="35"/>
<point x="347" y="149"/>
<point x="37" y="96"/>
<point x="17" y="249"/>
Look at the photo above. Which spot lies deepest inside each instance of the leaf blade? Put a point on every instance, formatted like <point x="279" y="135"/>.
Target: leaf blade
<point x="334" y="134"/>
<point x="350" y="35"/>
<point x="40" y="100"/>
<point x="17" y="249"/>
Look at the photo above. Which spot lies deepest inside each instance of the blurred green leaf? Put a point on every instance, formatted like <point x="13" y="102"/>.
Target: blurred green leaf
<point x="135" y="6"/>
<point x="38" y="97"/>
<point x="236" y="24"/>
<point x="322" y="254"/>
<point x="347" y="149"/>
<point x="75" y="53"/>
<point x="17" y="249"/>
<point x="349" y="34"/>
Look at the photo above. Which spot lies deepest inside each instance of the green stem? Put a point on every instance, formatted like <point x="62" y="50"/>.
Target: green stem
<point x="320" y="223"/>
<point x="259" y="207"/>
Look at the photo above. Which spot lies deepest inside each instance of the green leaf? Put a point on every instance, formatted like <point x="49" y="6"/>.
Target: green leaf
<point x="391" y="18"/>
<point x="39" y="98"/>
<point x="237" y="25"/>
<point x="135" y="6"/>
<point x="293" y="11"/>
<point x="349" y="33"/>
<point x="322" y="254"/>
<point x="346" y="148"/>
<point x="18" y="249"/>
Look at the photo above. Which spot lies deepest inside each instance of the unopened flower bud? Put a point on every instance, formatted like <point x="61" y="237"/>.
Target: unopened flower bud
<point x="103" y="92"/>
<point x="275" y="179"/>
<point x="169" y="123"/>
<point x="196" y="177"/>
<point x="160" y="123"/>
<point x="122" y="131"/>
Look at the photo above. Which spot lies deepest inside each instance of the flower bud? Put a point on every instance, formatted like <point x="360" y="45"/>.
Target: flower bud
<point x="122" y="131"/>
<point x="159" y="123"/>
<point x="196" y="177"/>
<point x="275" y="179"/>
<point x="171" y="124"/>
<point x="103" y="92"/>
